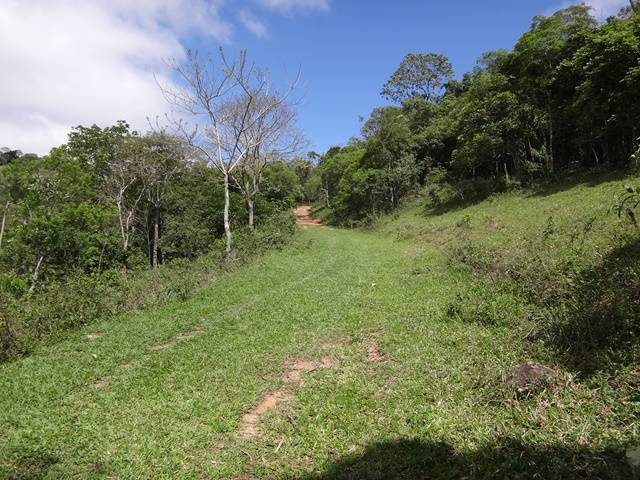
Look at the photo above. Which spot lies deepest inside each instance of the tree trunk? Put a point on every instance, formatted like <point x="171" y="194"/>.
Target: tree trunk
<point x="326" y="194"/>
<point x="36" y="274"/>
<point x="550" y="160"/>
<point x="4" y="220"/>
<point x="125" y="254"/>
<point x="156" y="235"/>
<point x="227" y="226"/>
<point x="250" y="210"/>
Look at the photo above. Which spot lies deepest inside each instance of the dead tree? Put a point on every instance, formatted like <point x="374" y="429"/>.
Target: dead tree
<point x="222" y="97"/>
<point x="5" y="213"/>
<point x="272" y="137"/>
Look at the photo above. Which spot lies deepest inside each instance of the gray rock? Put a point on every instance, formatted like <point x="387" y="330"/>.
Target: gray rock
<point x="530" y="377"/>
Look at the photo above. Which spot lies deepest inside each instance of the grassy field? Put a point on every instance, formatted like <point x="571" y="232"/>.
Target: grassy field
<point x="351" y="345"/>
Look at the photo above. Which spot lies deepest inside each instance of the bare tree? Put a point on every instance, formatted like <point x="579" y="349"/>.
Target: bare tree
<point x="5" y="212"/>
<point x="272" y="137"/>
<point x="222" y="96"/>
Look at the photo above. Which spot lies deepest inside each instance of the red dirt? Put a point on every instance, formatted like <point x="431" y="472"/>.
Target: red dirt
<point x="250" y="421"/>
<point x="303" y="216"/>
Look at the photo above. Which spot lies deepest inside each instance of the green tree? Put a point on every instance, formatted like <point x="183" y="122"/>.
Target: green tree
<point x="418" y="74"/>
<point x="534" y="66"/>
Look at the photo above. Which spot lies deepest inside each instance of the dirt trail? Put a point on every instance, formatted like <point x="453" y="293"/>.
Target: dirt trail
<point x="294" y="375"/>
<point x="250" y="421"/>
<point x="303" y="216"/>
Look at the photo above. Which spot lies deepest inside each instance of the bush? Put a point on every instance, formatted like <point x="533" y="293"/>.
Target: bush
<point x="586" y="308"/>
<point x="80" y="298"/>
<point x="596" y="323"/>
<point x="481" y="305"/>
<point x="272" y="233"/>
<point x="443" y="192"/>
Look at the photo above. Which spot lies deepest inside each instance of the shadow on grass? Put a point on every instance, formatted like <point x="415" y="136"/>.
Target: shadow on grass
<point x="507" y="459"/>
<point x="28" y="465"/>
<point x="599" y="324"/>
<point x="450" y="197"/>
<point x="470" y="192"/>
<point x="568" y="181"/>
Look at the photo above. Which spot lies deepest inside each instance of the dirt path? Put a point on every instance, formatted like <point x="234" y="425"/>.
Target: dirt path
<point x="303" y="216"/>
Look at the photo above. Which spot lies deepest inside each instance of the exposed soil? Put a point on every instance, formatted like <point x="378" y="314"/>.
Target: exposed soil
<point x="160" y="346"/>
<point x="530" y="377"/>
<point x="93" y="336"/>
<point x="373" y="349"/>
<point x="303" y="216"/>
<point x="250" y="421"/>
<point x="294" y="376"/>
<point x="334" y="343"/>
<point x="189" y="335"/>
<point x="103" y="382"/>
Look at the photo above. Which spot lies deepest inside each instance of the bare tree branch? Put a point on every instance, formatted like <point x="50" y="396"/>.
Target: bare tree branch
<point x="233" y="101"/>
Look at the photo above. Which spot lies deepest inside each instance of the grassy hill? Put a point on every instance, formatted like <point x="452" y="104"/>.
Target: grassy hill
<point x="388" y="353"/>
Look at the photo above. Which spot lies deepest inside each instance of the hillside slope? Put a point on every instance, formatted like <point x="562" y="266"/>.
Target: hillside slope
<point x="346" y="355"/>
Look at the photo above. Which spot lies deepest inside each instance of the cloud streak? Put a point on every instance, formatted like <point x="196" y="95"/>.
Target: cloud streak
<point x="601" y="9"/>
<point x="252" y="23"/>
<point x="296" y="6"/>
<point x="79" y="62"/>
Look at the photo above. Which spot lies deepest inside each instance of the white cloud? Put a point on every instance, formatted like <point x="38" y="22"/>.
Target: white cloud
<point x="74" y="62"/>
<point x="252" y="23"/>
<point x="291" y="6"/>
<point x="601" y="9"/>
<point x="79" y="62"/>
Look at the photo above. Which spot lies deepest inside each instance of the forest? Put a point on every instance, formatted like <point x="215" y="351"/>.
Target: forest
<point x="566" y="98"/>
<point x="81" y="224"/>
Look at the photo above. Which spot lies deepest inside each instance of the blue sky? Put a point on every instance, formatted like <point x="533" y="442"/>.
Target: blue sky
<point x="93" y="61"/>
<point x="347" y="53"/>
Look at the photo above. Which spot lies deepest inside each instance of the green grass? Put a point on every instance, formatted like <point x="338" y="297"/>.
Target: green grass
<point x="437" y="407"/>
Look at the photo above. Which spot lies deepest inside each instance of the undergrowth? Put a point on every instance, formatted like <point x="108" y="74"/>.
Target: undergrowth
<point x="26" y="317"/>
<point x="574" y="284"/>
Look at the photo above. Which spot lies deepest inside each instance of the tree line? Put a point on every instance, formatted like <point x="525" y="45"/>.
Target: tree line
<point x="566" y="97"/>
<point x="113" y="198"/>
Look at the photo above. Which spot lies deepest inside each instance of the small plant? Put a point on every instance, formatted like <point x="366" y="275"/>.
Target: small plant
<point x="627" y="204"/>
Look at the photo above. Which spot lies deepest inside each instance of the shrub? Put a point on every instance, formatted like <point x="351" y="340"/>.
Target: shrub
<point x="481" y="305"/>
<point x="272" y="233"/>
<point x="81" y="298"/>
<point x="443" y="192"/>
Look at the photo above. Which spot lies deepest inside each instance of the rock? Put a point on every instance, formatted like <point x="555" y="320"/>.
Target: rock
<point x="530" y="377"/>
